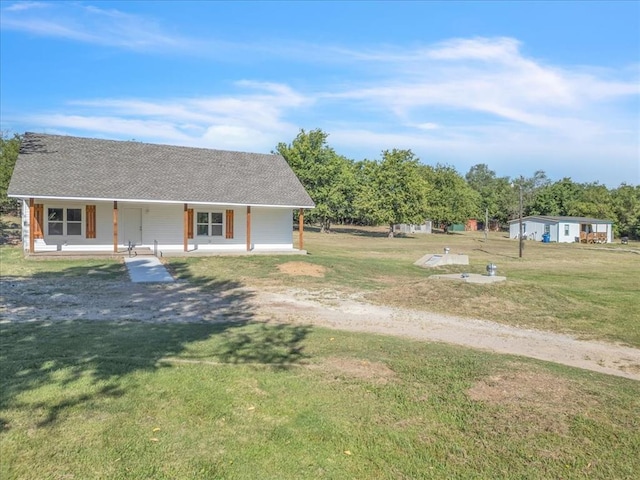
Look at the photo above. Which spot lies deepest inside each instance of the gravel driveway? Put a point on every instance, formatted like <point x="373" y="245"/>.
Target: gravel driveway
<point x="23" y="300"/>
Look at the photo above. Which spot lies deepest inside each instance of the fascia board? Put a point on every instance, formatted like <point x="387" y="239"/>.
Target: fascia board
<point x="142" y="200"/>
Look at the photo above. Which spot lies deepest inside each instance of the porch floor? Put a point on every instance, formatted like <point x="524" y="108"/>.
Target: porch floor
<point x="124" y="253"/>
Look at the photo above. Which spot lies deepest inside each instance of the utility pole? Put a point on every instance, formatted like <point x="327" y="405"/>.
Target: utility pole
<point x="486" y="224"/>
<point x="521" y="232"/>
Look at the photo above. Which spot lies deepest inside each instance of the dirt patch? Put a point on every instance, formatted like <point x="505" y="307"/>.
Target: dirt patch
<point x="302" y="269"/>
<point x="523" y="387"/>
<point x="530" y="402"/>
<point x="375" y="372"/>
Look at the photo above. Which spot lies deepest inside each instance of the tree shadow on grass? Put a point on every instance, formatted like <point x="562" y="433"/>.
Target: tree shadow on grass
<point x="498" y="254"/>
<point x="9" y="232"/>
<point x="278" y="345"/>
<point x="82" y="334"/>
<point x="362" y="232"/>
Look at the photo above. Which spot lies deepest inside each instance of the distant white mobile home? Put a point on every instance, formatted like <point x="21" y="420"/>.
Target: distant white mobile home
<point x="563" y="229"/>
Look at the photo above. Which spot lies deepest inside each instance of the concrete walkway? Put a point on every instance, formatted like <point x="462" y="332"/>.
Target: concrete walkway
<point x="147" y="270"/>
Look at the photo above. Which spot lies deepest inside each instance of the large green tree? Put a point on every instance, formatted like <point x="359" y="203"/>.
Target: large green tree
<point x="626" y="206"/>
<point x="9" y="149"/>
<point x="392" y="190"/>
<point x="558" y="198"/>
<point x="567" y="198"/>
<point x="594" y="200"/>
<point x="527" y="190"/>
<point x="496" y="194"/>
<point x="451" y="199"/>
<point x="328" y="177"/>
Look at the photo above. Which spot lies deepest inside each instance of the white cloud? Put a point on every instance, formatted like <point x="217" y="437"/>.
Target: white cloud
<point x="73" y="21"/>
<point x="111" y="125"/>
<point x="505" y="84"/>
<point x="254" y="120"/>
<point x="463" y="101"/>
<point x="494" y="105"/>
<point x="487" y="49"/>
<point x="22" y="6"/>
<point x="227" y="137"/>
<point x="428" y="126"/>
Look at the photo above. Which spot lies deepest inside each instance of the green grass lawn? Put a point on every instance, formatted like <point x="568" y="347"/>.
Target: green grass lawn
<point x="13" y="264"/>
<point x="127" y="400"/>
<point x="136" y="400"/>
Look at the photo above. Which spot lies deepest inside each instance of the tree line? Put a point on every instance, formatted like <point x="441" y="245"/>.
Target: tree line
<point x="9" y="149"/>
<point x="398" y="188"/>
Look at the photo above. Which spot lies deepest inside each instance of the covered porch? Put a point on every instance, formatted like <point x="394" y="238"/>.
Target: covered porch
<point x="594" y="233"/>
<point x="75" y="227"/>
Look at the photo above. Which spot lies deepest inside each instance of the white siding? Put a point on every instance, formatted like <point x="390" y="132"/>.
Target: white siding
<point x="604" y="228"/>
<point x="162" y="223"/>
<point x="535" y="229"/>
<point x="574" y="232"/>
<point x="220" y="243"/>
<point x="271" y="228"/>
<point x="413" y="228"/>
<point x="514" y="229"/>
<point x="532" y="230"/>
<point x="104" y="229"/>
<point x="25" y="225"/>
<point x="104" y="224"/>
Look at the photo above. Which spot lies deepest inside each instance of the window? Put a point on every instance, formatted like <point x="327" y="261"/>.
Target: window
<point x="209" y="224"/>
<point x="566" y="229"/>
<point x="64" y="221"/>
<point x="74" y="221"/>
<point x="55" y="217"/>
<point x="547" y="228"/>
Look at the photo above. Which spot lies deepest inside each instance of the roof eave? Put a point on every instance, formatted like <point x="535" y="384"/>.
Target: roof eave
<point x="562" y="219"/>
<point x="143" y="200"/>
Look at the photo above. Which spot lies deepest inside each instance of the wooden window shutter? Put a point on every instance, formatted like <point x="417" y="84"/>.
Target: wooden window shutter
<point x="190" y="223"/>
<point x="229" y="221"/>
<point x="38" y="211"/>
<point x="90" y="231"/>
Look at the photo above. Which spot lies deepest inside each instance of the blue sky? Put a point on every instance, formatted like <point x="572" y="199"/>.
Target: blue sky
<point x="520" y="86"/>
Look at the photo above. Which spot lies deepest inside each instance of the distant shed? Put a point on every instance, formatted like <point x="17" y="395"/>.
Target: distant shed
<point x="407" y="228"/>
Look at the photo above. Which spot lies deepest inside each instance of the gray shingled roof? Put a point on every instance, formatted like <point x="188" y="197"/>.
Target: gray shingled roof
<point x="62" y="166"/>
<point x="556" y="219"/>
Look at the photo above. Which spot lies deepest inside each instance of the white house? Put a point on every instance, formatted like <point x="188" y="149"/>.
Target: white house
<point x="563" y="229"/>
<point x="82" y="194"/>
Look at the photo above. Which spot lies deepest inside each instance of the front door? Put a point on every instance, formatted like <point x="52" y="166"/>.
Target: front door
<point x="131" y="226"/>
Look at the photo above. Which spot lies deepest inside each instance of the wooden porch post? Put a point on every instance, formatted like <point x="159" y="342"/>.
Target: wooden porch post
<point x="185" y="236"/>
<point x="115" y="227"/>
<point x="248" y="229"/>
<point x="32" y="225"/>
<point x="301" y="229"/>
